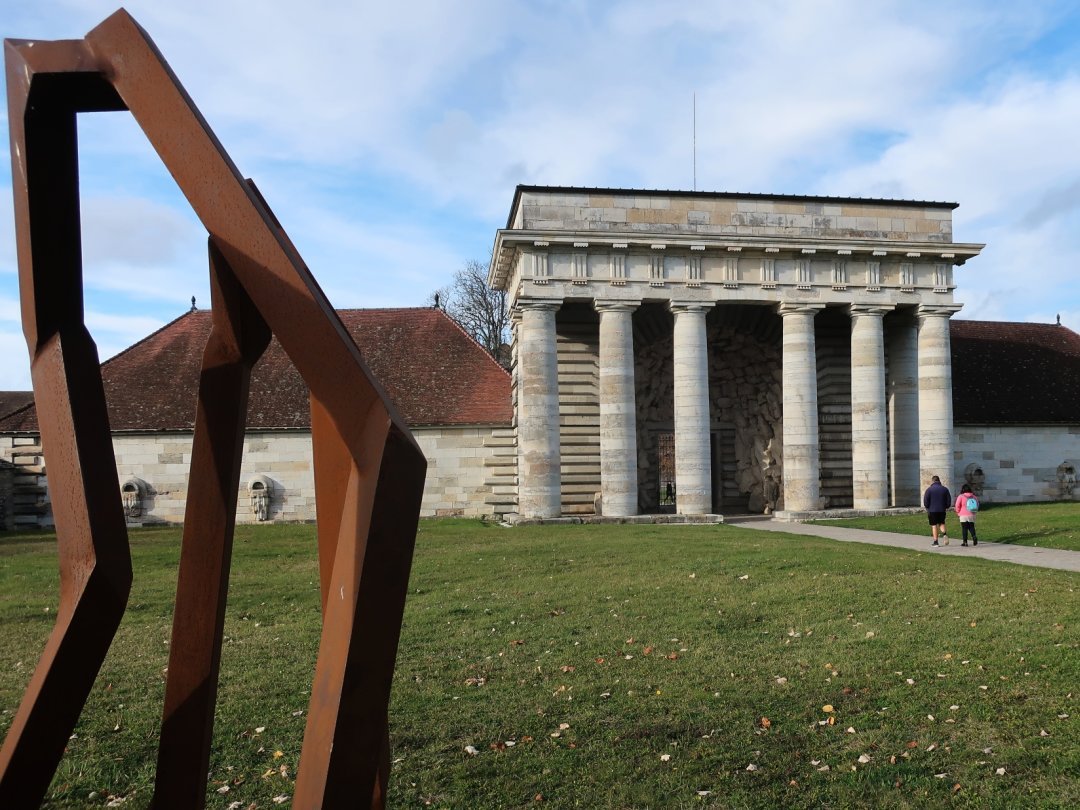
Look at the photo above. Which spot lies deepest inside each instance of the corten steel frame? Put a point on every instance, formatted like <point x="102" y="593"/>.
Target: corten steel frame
<point x="369" y="472"/>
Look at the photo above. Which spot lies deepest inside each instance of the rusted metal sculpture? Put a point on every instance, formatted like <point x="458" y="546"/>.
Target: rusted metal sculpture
<point x="369" y="472"/>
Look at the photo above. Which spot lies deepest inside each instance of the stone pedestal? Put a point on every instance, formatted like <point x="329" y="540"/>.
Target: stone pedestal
<point x="802" y="486"/>
<point x="693" y="465"/>
<point x="869" y="449"/>
<point x="618" y="424"/>
<point x="935" y="394"/>
<point x="903" y="398"/>
<point x="539" y="480"/>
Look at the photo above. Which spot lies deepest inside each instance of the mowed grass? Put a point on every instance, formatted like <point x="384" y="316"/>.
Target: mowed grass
<point x="610" y="666"/>
<point x="1048" y="525"/>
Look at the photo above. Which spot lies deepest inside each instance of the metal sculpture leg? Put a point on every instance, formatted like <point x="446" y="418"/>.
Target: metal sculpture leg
<point x="238" y="339"/>
<point x="95" y="568"/>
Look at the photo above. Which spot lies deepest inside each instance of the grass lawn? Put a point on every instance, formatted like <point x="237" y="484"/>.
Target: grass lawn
<point x="611" y="666"/>
<point x="1049" y="525"/>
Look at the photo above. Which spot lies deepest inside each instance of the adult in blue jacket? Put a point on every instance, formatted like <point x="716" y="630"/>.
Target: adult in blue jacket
<point x="937" y="500"/>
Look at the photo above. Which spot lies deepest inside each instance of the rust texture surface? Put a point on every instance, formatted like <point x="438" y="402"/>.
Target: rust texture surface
<point x="369" y="472"/>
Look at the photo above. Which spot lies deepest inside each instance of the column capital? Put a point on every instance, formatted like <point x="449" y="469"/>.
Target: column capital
<point x="538" y="305"/>
<point x="613" y="305"/>
<point x="690" y="306"/>
<point x="874" y="310"/>
<point x="938" y="310"/>
<point x="798" y="308"/>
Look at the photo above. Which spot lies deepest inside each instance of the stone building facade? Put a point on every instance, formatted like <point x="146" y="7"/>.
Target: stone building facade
<point x="454" y="397"/>
<point x="789" y="353"/>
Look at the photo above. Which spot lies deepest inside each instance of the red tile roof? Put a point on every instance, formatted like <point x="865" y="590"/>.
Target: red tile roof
<point x="433" y="371"/>
<point x="1014" y="373"/>
<point x="14" y="400"/>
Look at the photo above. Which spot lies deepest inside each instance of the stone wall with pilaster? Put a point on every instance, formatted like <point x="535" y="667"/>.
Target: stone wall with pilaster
<point x="1016" y="464"/>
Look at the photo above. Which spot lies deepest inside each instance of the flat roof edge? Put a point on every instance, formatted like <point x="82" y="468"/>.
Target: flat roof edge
<point x="721" y="195"/>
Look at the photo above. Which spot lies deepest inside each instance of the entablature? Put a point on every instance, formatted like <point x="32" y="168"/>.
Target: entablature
<point x="511" y="245"/>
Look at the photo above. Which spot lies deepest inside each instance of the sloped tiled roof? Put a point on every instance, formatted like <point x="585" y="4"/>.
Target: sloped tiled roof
<point x="1014" y="373"/>
<point x="14" y="400"/>
<point x="432" y="370"/>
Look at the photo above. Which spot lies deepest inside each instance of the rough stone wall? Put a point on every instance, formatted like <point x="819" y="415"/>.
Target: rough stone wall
<point x="1019" y="463"/>
<point x="745" y="402"/>
<point x="654" y="395"/>
<point x="745" y="391"/>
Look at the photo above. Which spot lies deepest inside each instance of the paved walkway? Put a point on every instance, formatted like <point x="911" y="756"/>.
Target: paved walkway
<point x="1000" y="552"/>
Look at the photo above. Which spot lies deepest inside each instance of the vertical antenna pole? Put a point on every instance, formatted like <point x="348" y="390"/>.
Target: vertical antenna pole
<point x="695" y="140"/>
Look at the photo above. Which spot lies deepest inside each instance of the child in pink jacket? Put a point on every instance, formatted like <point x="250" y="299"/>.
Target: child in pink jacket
<point x="967" y="517"/>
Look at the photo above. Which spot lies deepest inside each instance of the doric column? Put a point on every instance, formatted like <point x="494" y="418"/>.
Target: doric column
<point x="618" y="415"/>
<point x="539" y="482"/>
<point x="935" y="394"/>
<point x="693" y="469"/>
<point x="903" y="391"/>
<point x="869" y="441"/>
<point x="802" y="473"/>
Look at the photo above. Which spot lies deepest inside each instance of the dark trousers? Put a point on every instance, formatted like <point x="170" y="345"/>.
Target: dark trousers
<point x="969" y="526"/>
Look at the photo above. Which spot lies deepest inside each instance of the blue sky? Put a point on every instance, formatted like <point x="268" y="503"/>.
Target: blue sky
<point x="389" y="137"/>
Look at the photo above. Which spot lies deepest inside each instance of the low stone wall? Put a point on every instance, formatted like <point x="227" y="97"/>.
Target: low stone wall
<point x="466" y="465"/>
<point x="1015" y="464"/>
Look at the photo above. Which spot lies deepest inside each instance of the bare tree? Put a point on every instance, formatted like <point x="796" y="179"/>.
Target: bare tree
<point x="480" y="310"/>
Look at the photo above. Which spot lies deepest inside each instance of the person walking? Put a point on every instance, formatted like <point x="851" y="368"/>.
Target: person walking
<point x="964" y="503"/>
<point x="936" y="500"/>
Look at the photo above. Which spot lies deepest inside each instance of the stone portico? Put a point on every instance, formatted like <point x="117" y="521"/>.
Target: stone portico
<point x="708" y="352"/>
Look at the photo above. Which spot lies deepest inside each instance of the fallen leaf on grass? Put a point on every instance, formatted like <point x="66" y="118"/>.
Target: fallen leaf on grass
<point x="1000" y="771"/>
<point x="751" y="767"/>
<point x="665" y="757"/>
<point x="568" y="668"/>
<point x="745" y="576"/>
<point x="765" y="723"/>
<point x="828" y="708"/>
<point x="781" y="680"/>
<point x="864" y="758"/>
<point x="280" y="799"/>
<point x="471" y="750"/>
